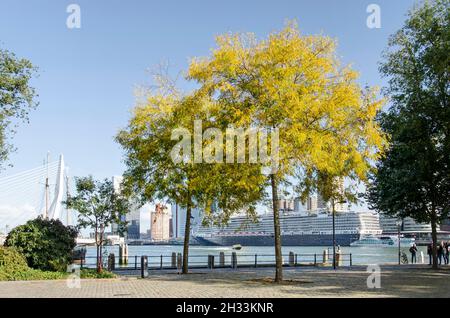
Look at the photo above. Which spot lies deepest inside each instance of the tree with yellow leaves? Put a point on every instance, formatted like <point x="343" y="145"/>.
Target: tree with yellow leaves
<point x="160" y="166"/>
<point x="295" y="84"/>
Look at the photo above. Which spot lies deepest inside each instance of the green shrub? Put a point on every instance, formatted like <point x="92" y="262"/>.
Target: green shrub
<point x="32" y="274"/>
<point x="13" y="266"/>
<point x="12" y="261"/>
<point x="46" y="244"/>
<point x="92" y="273"/>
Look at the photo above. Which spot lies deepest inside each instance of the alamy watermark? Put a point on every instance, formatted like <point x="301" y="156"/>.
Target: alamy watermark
<point x="374" y="19"/>
<point x="240" y="145"/>
<point x="73" y="21"/>
<point x="74" y="279"/>
<point x="374" y="279"/>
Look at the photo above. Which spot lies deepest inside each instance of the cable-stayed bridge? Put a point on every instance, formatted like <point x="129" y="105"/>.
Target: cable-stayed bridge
<point x="38" y="191"/>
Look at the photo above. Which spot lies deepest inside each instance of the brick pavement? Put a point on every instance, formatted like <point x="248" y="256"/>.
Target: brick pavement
<point x="416" y="281"/>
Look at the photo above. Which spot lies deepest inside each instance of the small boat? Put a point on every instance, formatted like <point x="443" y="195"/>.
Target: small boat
<point x="372" y="241"/>
<point x="237" y="247"/>
<point x="383" y="241"/>
<point x="404" y="241"/>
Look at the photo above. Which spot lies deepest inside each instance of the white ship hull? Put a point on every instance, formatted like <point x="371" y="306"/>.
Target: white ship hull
<point x="298" y="229"/>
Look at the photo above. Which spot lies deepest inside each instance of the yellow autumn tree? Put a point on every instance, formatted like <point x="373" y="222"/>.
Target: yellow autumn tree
<point x="295" y="84"/>
<point x="159" y="153"/>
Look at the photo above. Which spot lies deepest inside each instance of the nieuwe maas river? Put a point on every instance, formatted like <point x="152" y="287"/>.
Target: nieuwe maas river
<point x="199" y="254"/>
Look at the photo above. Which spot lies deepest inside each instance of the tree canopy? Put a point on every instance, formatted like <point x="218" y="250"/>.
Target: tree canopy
<point x="161" y="166"/>
<point x="294" y="84"/>
<point x="17" y="97"/>
<point x="413" y="178"/>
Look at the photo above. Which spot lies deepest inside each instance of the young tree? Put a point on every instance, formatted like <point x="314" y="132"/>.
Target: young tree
<point x="98" y="205"/>
<point x="161" y="167"/>
<point x="413" y="178"/>
<point x="292" y="84"/>
<point x="17" y="97"/>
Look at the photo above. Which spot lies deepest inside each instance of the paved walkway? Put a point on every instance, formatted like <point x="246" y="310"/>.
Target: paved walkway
<point x="418" y="281"/>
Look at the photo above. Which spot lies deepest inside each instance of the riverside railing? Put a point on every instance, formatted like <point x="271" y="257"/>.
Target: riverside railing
<point x="222" y="260"/>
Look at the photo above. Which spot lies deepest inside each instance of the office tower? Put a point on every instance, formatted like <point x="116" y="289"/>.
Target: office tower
<point x="117" y="181"/>
<point x="179" y="220"/>
<point x="133" y="218"/>
<point x="317" y="202"/>
<point x="171" y="227"/>
<point x="311" y="203"/>
<point x="133" y="223"/>
<point x="286" y="205"/>
<point x="159" y="223"/>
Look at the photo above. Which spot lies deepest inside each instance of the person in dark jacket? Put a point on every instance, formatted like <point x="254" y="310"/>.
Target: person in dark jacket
<point x="430" y="253"/>
<point x="446" y="251"/>
<point x="440" y="252"/>
<point x="413" y="251"/>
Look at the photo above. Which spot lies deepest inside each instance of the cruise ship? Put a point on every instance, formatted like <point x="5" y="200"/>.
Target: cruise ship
<point x="297" y="229"/>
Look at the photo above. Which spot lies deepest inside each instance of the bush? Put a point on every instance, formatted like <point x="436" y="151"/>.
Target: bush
<point x="13" y="266"/>
<point x="46" y="244"/>
<point x="32" y="274"/>
<point x="92" y="273"/>
<point x="12" y="261"/>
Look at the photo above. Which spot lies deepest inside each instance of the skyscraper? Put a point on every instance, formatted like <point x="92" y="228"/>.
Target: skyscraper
<point x="317" y="202"/>
<point x="179" y="220"/>
<point x="134" y="223"/>
<point x="286" y="205"/>
<point x="133" y="218"/>
<point x="160" y="227"/>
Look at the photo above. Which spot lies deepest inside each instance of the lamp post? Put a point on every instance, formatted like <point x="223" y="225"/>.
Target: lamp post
<point x="334" y="229"/>
<point x="399" y="224"/>
<point x="334" y="239"/>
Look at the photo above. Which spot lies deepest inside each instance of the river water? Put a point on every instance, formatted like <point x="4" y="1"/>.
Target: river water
<point x="264" y="254"/>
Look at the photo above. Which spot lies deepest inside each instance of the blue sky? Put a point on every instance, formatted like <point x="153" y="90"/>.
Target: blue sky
<point x="87" y="76"/>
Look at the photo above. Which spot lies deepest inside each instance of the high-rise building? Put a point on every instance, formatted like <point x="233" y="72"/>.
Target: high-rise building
<point x="179" y="220"/>
<point x="133" y="218"/>
<point x="286" y="205"/>
<point x="160" y="223"/>
<point x="317" y="202"/>
<point x="134" y="223"/>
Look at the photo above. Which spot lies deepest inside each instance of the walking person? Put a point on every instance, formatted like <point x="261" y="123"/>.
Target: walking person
<point x="430" y="253"/>
<point x="446" y="253"/>
<point x="413" y="251"/>
<point x="440" y="252"/>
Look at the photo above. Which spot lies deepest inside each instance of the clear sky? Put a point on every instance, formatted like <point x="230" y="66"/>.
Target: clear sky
<point x="88" y="75"/>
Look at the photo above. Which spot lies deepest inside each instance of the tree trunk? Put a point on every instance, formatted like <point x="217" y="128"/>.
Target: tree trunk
<point x="277" y="232"/>
<point x="187" y="234"/>
<point x="97" y="249"/>
<point x="434" y="238"/>
<point x="100" y="257"/>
